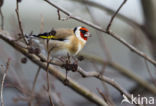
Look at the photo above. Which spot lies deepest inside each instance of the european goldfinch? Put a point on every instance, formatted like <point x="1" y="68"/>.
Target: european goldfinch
<point x="66" y="41"/>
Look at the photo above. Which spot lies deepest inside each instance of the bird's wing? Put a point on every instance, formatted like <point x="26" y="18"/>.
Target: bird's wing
<point x="63" y="34"/>
<point x="59" y="34"/>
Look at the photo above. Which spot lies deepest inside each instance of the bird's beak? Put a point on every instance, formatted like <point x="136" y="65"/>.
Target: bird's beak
<point x="88" y="34"/>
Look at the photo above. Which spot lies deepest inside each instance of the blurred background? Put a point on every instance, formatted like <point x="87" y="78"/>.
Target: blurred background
<point x="136" y="23"/>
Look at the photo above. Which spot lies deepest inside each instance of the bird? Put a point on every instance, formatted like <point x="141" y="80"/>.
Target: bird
<point x="65" y="41"/>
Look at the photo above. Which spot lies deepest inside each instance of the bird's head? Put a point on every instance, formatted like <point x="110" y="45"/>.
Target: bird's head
<point x="81" y="33"/>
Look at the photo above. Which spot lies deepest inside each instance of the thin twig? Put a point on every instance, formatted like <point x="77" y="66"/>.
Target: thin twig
<point x="59" y="15"/>
<point x="101" y="40"/>
<point x="3" y="79"/>
<point x="105" y="97"/>
<point x="42" y="24"/>
<point x="149" y="72"/>
<point x="117" y="37"/>
<point x="34" y="84"/>
<point x="48" y="83"/>
<point x="2" y="18"/>
<point x="113" y="17"/>
<point x="19" y="22"/>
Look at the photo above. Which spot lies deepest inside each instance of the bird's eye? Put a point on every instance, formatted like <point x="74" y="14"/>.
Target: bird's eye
<point x="83" y="31"/>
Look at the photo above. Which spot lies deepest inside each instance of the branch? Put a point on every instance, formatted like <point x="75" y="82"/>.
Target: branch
<point x="34" y="84"/>
<point x="117" y="37"/>
<point x="3" y="79"/>
<point x="19" y="23"/>
<point x="2" y="18"/>
<point x="117" y="11"/>
<point x="1" y="13"/>
<point x="53" y="71"/>
<point x="47" y="70"/>
<point x="123" y="71"/>
<point x="101" y="78"/>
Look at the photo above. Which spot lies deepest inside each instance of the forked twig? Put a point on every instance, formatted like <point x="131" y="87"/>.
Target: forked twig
<point x="59" y="16"/>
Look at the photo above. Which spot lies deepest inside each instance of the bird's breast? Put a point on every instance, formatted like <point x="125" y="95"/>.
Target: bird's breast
<point x="75" y="46"/>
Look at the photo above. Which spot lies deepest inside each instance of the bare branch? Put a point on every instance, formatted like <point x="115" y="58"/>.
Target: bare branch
<point x="48" y="63"/>
<point x="59" y="15"/>
<point x="34" y="84"/>
<point x="128" y="73"/>
<point x="100" y="77"/>
<point x="110" y="23"/>
<point x="19" y="23"/>
<point x="2" y="18"/>
<point x="3" y="79"/>
<point x="117" y="37"/>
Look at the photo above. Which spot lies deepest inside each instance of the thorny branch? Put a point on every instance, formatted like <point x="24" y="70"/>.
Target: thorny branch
<point x="3" y="79"/>
<point x="117" y="37"/>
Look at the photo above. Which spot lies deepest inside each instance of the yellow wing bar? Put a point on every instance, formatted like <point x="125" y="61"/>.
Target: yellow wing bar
<point x="47" y="37"/>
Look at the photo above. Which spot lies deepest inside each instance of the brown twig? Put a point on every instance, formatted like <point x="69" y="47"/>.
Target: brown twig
<point x="113" y="17"/>
<point x="48" y="83"/>
<point x="2" y="18"/>
<point x="3" y="79"/>
<point x="34" y="84"/>
<point x="19" y="22"/>
<point x="117" y="37"/>
<point x="59" y="15"/>
<point x="105" y="97"/>
<point x="99" y="35"/>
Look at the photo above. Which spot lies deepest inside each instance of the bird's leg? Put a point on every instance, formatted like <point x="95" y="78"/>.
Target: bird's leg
<point x="75" y="64"/>
<point x="66" y="79"/>
<point x="67" y="66"/>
